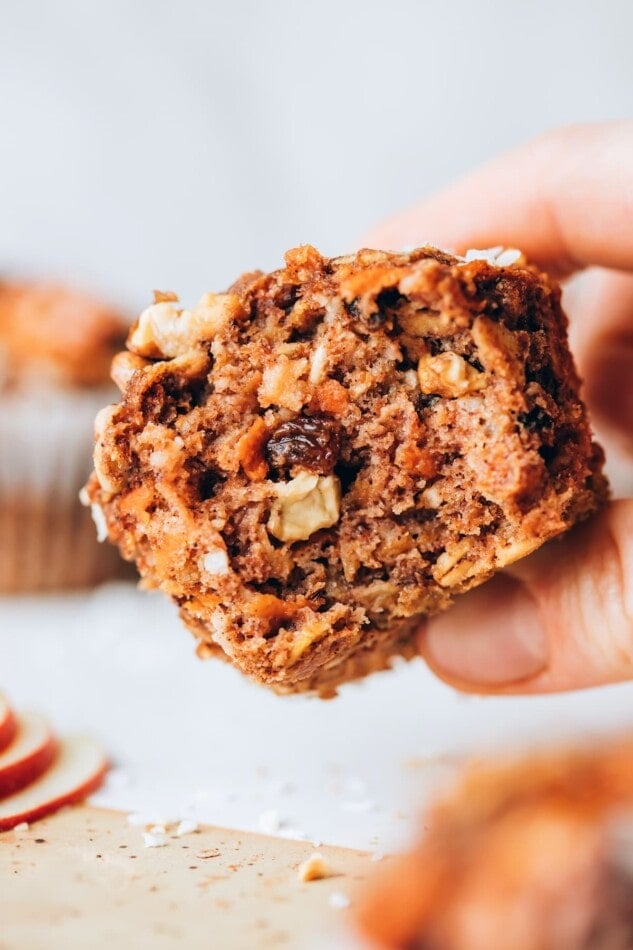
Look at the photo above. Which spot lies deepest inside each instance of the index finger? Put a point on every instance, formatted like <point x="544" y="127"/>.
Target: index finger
<point x="565" y="199"/>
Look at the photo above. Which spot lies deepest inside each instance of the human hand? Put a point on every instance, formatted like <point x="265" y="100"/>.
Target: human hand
<point x="563" y="618"/>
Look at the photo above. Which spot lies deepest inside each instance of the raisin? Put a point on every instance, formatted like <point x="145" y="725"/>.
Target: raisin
<point x="376" y="320"/>
<point x="425" y="401"/>
<point x="286" y="296"/>
<point x="535" y="420"/>
<point x="389" y="298"/>
<point x="309" y="442"/>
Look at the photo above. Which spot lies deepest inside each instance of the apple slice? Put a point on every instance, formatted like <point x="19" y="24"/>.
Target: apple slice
<point x="78" y="770"/>
<point x="8" y="723"/>
<point x="30" y="753"/>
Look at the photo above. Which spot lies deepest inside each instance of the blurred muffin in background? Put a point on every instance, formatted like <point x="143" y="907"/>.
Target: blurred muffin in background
<point x="56" y="345"/>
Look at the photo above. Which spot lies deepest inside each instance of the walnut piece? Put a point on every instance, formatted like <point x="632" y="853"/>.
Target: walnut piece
<point x="304" y="505"/>
<point x="165" y="330"/>
<point x="124" y="365"/>
<point x="448" y="374"/>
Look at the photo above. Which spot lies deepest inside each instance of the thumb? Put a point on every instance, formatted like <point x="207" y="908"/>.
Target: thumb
<point x="560" y="620"/>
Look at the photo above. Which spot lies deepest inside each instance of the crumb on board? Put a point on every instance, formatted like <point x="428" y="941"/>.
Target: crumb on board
<point x="153" y="840"/>
<point x="315" y="868"/>
<point x="186" y="827"/>
<point x="338" y="900"/>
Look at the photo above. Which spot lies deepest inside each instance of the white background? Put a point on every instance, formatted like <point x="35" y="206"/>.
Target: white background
<point x="174" y="145"/>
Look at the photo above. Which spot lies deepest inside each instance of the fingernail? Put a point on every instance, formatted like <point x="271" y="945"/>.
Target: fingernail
<point x="491" y="637"/>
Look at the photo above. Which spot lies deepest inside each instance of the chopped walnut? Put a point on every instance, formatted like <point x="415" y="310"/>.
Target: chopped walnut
<point x="448" y="374"/>
<point x="304" y="505"/>
<point x="165" y="330"/>
<point x="497" y="348"/>
<point x="517" y="550"/>
<point x="124" y="365"/>
<point x="426" y="323"/>
<point x="454" y="565"/>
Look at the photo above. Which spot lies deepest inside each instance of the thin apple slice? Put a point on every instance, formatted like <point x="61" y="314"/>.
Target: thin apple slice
<point x="8" y="723"/>
<point x="78" y="770"/>
<point x="31" y="752"/>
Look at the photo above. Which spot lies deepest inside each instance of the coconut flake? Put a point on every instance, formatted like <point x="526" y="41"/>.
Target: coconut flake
<point x="338" y="900"/>
<point x="153" y="840"/>
<point x="100" y="522"/>
<point x="508" y="257"/>
<point x="216" y="562"/>
<point x="186" y="827"/>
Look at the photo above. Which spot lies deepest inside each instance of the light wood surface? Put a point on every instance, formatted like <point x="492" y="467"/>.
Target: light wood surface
<point x="83" y="878"/>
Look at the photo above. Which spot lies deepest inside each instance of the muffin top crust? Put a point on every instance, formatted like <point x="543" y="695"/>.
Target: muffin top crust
<point x="52" y="334"/>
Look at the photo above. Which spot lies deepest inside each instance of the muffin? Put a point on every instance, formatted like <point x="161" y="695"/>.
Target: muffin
<point x="314" y="460"/>
<point x="56" y="346"/>
<point x="531" y="855"/>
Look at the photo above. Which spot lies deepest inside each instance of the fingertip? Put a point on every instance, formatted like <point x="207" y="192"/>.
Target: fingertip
<point x="491" y="639"/>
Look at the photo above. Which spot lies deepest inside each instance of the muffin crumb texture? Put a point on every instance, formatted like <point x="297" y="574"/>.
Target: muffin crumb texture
<point x="313" y="460"/>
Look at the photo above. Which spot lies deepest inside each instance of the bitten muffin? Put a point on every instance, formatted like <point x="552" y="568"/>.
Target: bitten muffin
<point x="310" y="462"/>
<point x="531" y="855"/>
<point x="56" y="346"/>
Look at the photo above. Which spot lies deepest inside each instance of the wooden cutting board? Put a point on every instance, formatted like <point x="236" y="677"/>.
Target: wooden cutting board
<point x="83" y="878"/>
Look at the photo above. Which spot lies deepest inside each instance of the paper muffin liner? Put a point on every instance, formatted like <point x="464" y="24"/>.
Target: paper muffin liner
<point x="47" y="538"/>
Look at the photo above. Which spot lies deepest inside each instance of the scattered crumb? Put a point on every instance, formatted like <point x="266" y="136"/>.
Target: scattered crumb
<point x="317" y="843"/>
<point x="377" y="856"/>
<point x="338" y="900"/>
<point x="314" y="869"/>
<point x="23" y="826"/>
<point x="157" y="830"/>
<point x="208" y="853"/>
<point x="40" y="840"/>
<point x="186" y="827"/>
<point x="269" y="822"/>
<point x="153" y="840"/>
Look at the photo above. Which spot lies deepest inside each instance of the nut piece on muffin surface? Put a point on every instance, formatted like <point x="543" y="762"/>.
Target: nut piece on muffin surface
<point x="313" y="460"/>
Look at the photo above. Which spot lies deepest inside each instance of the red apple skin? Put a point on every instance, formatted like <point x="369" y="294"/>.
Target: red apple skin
<point x="77" y="794"/>
<point x="8" y="728"/>
<point x="26" y="770"/>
